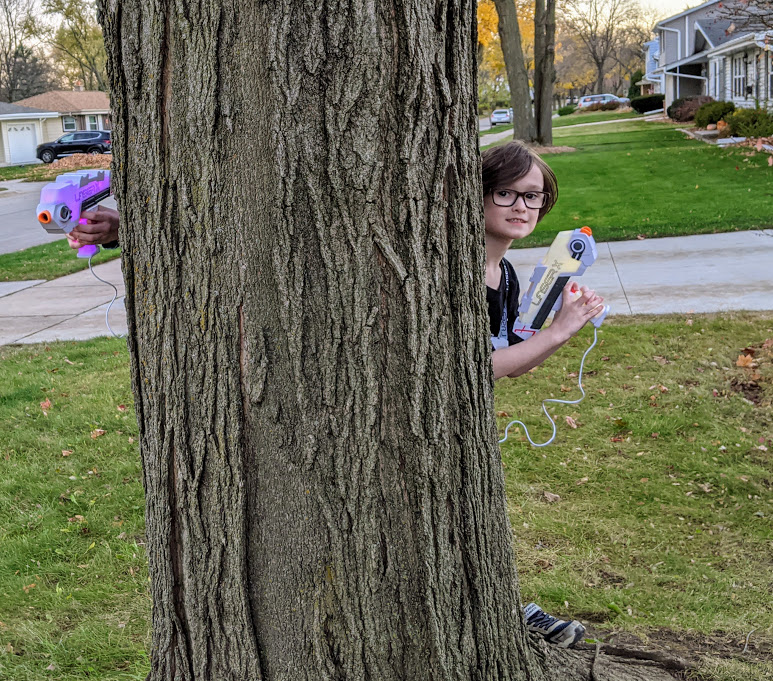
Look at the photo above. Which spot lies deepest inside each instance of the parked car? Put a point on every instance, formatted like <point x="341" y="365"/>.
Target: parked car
<point x="588" y="100"/>
<point x="81" y="142"/>
<point x="501" y="116"/>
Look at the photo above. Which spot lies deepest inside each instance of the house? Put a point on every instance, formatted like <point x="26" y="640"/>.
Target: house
<point x="77" y="109"/>
<point x="21" y="130"/>
<point x="703" y="53"/>
<point x="652" y="82"/>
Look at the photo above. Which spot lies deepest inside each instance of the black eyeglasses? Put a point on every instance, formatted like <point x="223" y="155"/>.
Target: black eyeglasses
<point x="508" y="197"/>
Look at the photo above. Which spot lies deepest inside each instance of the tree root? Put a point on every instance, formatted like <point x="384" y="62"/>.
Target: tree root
<point x="608" y="663"/>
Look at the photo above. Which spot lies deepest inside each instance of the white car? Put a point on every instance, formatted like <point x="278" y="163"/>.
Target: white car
<point x="501" y="116"/>
<point x="588" y="100"/>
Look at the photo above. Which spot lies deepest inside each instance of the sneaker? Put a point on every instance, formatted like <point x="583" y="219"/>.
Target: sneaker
<point x="559" y="632"/>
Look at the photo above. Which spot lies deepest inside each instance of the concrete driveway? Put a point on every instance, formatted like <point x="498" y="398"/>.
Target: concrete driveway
<point x="19" y="227"/>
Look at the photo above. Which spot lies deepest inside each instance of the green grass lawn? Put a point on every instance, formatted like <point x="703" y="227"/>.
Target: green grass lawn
<point x="592" y="117"/>
<point x="663" y="522"/>
<point x="636" y="178"/>
<point x="48" y="261"/>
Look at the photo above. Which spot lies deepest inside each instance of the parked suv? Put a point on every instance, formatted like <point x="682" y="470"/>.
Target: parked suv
<point x="82" y="142"/>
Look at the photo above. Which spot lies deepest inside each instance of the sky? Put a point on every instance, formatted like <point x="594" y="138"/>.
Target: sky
<point x="667" y="8"/>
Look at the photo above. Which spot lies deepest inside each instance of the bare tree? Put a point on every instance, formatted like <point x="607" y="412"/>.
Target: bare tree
<point x="15" y="32"/>
<point x="746" y="15"/>
<point x="600" y="25"/>
<point x="517" y="77"/>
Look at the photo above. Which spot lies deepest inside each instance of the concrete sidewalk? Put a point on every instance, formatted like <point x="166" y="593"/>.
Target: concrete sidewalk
<point x="688" y="274"/>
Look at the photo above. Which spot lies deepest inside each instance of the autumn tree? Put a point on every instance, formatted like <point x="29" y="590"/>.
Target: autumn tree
<point x="74" y="38"/>
<point x="746" y="15"/>
<point x="300" y="200"/>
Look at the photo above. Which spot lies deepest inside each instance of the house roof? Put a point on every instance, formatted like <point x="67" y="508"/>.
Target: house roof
<point x="715" y="29"/>
<point x="69" y="102"/>
<point x="762" y="40"/>
<point x="687" y="11"/>
<point x="16" y="111"/>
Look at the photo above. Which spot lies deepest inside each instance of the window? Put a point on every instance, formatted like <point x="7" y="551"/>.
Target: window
<point x="739" y="76"/>
<point x="68" y="123"/>
<point x="92" y="123"/>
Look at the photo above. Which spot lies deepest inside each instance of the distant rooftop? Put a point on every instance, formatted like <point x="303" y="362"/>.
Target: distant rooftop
<point x="69" y="101"/>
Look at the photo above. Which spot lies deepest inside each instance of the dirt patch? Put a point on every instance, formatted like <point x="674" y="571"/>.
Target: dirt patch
<point x="751" y="390"/>
<point x="690" y="646"/>
<point x="538" y="149"/>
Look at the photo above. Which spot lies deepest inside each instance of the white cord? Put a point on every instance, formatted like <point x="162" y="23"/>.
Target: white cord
<point x="115" y="295"/>
<point x="544" y="408"/>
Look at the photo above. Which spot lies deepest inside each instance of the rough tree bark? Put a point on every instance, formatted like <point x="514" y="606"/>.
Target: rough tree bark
<point x="300" y="202"/>
<point x="517" y="77"/>
<point x="544" y="70"/>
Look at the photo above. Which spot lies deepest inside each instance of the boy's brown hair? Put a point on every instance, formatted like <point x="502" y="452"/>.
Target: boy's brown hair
<point x="507" y="163"/>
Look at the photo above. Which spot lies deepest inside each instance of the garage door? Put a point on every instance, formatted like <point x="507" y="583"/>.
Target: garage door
<point x="22" y="142"/>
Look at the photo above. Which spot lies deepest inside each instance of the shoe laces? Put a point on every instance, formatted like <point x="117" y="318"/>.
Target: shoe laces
<point x="542" y="619"/>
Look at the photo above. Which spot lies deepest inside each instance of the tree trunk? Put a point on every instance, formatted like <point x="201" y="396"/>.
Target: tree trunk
<point x="517" y="77"/>
<point x="544" y="71"/>
<point x="300" y="200"/>
<point x="299" y="190"/>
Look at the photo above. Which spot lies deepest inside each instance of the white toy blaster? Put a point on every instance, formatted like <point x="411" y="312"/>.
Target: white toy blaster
<point x="571" y="253"/>
<point x="63" y="201"/>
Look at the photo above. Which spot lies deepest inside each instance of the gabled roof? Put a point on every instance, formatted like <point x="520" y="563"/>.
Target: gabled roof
<point x="69" y="102"/>
<point x="16" y="111"/>
<point x="715" y="29"/>
<point x="687" y="11"/>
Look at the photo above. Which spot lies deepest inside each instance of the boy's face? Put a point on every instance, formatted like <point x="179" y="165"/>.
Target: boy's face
<point x="516" y="221"/>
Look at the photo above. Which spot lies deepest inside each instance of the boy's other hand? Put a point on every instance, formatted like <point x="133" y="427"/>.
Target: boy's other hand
<point x="101" y="228"/>
<point x="578" y="307"/>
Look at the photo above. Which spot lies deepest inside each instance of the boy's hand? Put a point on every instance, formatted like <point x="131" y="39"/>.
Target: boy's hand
<point x="101" y="228"/>
<point x="578" y="307"/>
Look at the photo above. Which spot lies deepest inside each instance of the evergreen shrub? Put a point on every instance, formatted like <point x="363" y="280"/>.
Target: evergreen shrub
<point x="713" y="112"/>
<point x="751" y="123"/>
<point x="647" y="103"/>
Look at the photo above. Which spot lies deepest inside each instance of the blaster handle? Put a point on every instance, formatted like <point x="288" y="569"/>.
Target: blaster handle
<point x="88" y="250"/>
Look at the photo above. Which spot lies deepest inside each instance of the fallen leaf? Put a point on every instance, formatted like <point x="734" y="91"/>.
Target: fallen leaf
<point x="644" y="480"/>
<point x="655" y="436"/>
<point x="51" y="667"/>
<point x="98" y="432"/>
<point x="571" y="422"/>
<point x="744" y="361"/>
<point x="615" y="439"/>
<point x="688" y="322"/>
<point x="641" y="237"/>
<point x="121" y="407"/>
<point x="45" y="406"/>
<point x="706" y="487"/>
<point x="550" y="497"/>
<point x="564" y="389"/>
<point x="581" y="481"/>
<point x="28" y="587"/>
<point x="66" y="452"/>
<point x="770" y="160"/>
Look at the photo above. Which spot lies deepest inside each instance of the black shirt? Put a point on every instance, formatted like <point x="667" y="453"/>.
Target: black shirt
<point x="505" y="297"/>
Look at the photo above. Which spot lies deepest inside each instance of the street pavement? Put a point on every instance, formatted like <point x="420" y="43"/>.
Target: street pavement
<point x="687" y="274"/>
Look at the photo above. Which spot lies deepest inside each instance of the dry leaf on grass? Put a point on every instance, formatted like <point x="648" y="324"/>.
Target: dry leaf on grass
<point x="98" y="432"/>
<point x="745" y="361"/>
<point x="45" y="406"/>
<point x="571" y="422"/>
<point x="550" y="497"/>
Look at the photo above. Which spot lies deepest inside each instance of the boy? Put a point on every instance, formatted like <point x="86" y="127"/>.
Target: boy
<point x="519" y="189"/>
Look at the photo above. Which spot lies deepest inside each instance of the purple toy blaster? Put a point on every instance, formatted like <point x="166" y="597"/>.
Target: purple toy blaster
<point x="63" y="201"/>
